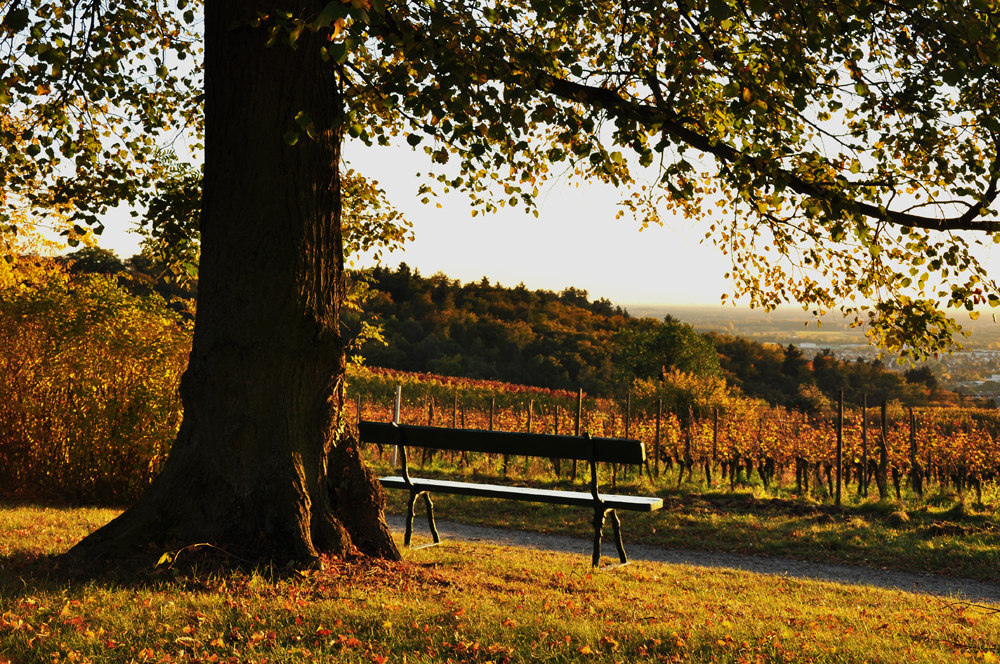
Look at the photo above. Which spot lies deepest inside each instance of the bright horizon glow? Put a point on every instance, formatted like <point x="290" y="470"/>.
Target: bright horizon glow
<point x="575" y="241"/>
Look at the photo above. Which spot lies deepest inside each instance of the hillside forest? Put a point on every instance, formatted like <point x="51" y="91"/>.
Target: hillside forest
<point x="566" y="340"/>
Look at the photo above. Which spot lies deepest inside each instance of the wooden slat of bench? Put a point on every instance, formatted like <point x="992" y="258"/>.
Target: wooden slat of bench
<point x="606" y="450"/>
<point x="575" y="498"/>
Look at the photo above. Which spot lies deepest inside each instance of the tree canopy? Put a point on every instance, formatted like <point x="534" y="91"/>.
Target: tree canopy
<point x="90" y="92"/>
<point x="652" y="349"/>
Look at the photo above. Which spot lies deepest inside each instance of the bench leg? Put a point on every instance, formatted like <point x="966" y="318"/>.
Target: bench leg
<point x="408" y="535"/>
<point x="430" y="517"/>
<point x="616" y="524"/>
<point x="599" y="514"/>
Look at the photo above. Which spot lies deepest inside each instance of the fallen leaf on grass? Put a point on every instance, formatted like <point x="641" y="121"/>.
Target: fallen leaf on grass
<point x="348" y="641"/>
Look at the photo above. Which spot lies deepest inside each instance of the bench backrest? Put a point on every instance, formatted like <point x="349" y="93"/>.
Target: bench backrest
<point x="582" y="448"/>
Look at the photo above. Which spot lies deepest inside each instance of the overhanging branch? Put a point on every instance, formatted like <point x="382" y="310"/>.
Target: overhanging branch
<point x="668" y="121"/>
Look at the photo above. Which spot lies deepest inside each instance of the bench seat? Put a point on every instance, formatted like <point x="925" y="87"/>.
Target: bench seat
<point x="558" y="497"/>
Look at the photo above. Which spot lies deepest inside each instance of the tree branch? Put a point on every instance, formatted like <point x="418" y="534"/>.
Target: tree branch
<point x="669" y="122"/>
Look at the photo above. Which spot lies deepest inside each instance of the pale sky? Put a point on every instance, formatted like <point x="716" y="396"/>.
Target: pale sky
<point x="576" y="240"/>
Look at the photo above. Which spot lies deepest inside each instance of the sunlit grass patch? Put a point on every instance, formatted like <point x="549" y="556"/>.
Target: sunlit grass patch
<point x="41" y="530"/>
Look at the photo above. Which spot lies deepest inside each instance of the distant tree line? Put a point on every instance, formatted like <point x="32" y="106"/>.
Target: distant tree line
<point x="785" y="376"/>
<point x="565" y="340"/>
<point x="141" y="275"/>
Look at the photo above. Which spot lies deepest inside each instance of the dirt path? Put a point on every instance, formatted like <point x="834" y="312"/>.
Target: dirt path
<point x="965" y="589"/>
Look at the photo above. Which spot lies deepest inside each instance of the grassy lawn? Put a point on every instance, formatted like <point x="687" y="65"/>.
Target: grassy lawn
<point x="943" y="534"/>
<point x="464" y="602"/>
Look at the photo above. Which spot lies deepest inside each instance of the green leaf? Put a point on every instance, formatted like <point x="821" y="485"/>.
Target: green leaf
<point x="305" y="122"/>
<point x="338" y="52"/>
<point x="16" y="20"/>
<point x="333" y="12"/>
<point x="291" y="137"/>
<point x="414" y="139"/>
<point x="720" y="9"/>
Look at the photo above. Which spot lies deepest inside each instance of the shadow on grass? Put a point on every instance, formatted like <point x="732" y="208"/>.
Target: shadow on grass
<point x="193" y="567"/>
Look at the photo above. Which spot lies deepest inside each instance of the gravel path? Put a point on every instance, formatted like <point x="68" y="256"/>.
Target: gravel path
<point x="966" y="589"/>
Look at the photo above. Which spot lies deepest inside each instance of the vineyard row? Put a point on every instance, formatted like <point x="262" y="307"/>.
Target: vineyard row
<point x="886" y="448"/>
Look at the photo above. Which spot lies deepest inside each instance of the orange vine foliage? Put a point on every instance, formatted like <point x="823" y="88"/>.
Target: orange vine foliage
<point x="951" y="442"/>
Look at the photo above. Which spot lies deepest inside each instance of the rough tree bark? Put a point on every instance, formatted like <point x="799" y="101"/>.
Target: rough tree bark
<point x="257" y="466"/>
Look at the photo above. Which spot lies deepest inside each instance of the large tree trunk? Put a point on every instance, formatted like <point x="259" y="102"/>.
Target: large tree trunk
<point x="257" y="467"/>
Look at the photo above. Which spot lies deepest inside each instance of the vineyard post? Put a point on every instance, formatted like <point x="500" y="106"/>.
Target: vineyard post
<point x="865" y="478"/>
<point x="579" y="419"/>
<point x="556" y="414"/>
<point x="715" y="439"/>
<point x="881" y="478"/>
<point x="840" y="443"/>
<point x="506" y="457"/>
<point x="430" y="423"/>
<point x="628" y="425"/>
<point x="465" y="455"/>
<point x="656" y="442"/>
<point x="916" y="471"/>
<point x="614" y="466"/>
<point x="527" y="459"/>
<point x="395" y="420"/>
<point x="688" y="458"/>
<point x="454" y="420"/>
<point x="628" y="414"/>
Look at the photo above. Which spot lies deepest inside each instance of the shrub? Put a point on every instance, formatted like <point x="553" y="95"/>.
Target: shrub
<point x="89" y="397"/>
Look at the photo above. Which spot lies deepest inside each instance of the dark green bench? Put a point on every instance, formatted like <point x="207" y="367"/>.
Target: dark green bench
<point x="581" y="448"/>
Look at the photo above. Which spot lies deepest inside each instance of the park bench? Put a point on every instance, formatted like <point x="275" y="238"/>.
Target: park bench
<point x="586" y="448"/>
